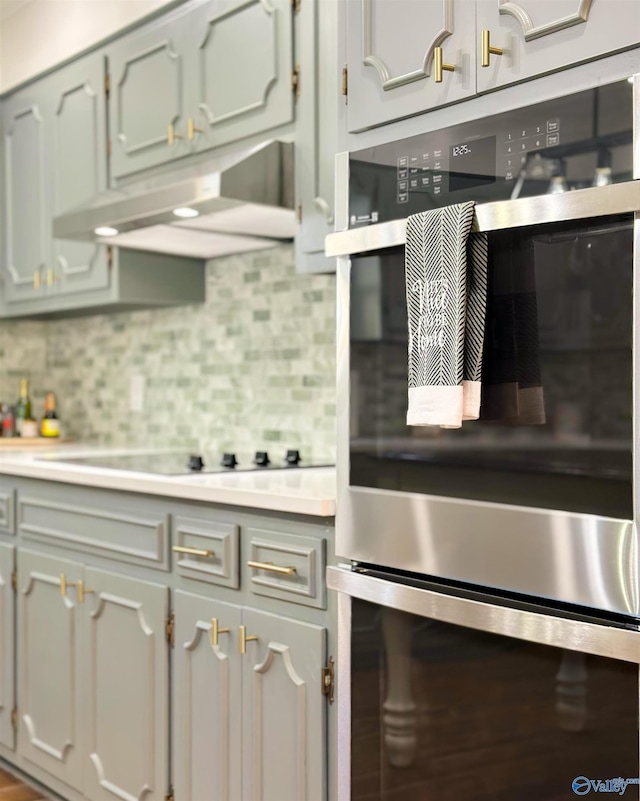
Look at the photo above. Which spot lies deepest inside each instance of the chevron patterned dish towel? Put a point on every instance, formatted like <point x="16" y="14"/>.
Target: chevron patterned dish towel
<point x="446" y="279"/>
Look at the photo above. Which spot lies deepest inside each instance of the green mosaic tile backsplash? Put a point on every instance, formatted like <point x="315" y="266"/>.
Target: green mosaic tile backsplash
<point x="253" y="368"/>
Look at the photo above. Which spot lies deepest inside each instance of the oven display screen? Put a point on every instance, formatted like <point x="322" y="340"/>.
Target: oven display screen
<point x="472" y="164"/>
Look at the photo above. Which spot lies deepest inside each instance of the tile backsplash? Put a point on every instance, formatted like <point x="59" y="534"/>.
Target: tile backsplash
<point x="253" y="368"/>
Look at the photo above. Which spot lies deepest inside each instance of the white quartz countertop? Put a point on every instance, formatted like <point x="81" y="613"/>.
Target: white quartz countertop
<point x="305" y="491"/>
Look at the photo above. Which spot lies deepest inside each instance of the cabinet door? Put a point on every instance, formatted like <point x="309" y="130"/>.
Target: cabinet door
<point x="239" y="69"/>
<point x="127" y="689"/>
<point x="541" y="36"/>
<point x="27" y="214"/>
<point x="390" y="57"/>
<point x="49" y="667"/>
<point x="78" y="145"/>
<point x="283" y="726"/>
<point x="207" y="701"/>
<point x="7" y="645"/>
<point x="147" y="96"/>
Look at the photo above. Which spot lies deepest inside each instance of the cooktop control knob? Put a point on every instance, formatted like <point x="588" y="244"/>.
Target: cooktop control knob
<point x="262" y="459"/>
<point x="293" y="458"/>
<point x="229" y="460"/>
<point x="195" y="463"/>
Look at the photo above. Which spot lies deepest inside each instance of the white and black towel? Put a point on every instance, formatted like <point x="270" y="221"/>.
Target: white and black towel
<point x="446" y="277"/>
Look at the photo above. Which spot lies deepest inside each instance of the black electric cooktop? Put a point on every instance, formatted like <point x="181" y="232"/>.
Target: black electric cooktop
<point x="174" y="463"/>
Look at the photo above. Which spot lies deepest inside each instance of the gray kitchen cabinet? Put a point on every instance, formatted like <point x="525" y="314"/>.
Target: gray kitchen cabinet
<point x="538" y="36"/>
<point x="391" y="57"/>
<point x="207" y="700"/>
<point x="283" y="709"/>
<point x="217" y="72"/>
<point x="7" y="645"/>
<point x="49" y="665"/>
<point x="26" y="195"/>
<point x="239" y="69"/>
<point x="76" y="134"/>
<point x="126" y="675"/>
<point x="148" y="95"/>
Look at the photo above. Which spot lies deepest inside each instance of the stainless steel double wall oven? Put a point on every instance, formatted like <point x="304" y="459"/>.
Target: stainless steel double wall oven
<point x="489" y="613"/>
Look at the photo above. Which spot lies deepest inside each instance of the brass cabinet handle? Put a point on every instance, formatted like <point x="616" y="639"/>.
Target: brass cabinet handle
<point x="51" y="277"/>
<point x="488" y="49"/>
<point x="64" y="584"/>
<point x="283" y="571"/>
<point x="245" y="638"/>
<point x="172" y="135"/>
<point x="36" y="280"/>
<point x="191" y="129"/>
<point x="82" y="591"/>
<point x="216" y="630"/>
<point x="439" y="65"/>
<point x="193" y="551"/>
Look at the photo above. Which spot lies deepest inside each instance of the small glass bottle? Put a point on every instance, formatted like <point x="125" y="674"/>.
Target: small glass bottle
<point x="50" y="425"/>
<point x="23" y="406"/>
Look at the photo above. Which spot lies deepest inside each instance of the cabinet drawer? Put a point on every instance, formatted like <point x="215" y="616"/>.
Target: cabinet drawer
<point x="218" y="543"/>
<point x="293" y="566"/>
<point x="7" y="511"/>
<point x="130" y="531"/>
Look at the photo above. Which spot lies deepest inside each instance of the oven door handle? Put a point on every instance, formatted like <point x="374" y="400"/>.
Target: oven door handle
<point x="600" y="201"/>
<point x="599" y="639"/>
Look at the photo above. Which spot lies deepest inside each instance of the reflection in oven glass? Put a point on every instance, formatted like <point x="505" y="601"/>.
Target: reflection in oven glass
<point x="556" y="419"/>
<point x="440" y="712"/>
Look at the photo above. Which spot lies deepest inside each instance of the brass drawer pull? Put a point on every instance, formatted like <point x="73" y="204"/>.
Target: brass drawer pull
<point x="193" y="551"/>
<point x="439" y="65"/>
<point x="172" y="135"/>
<point x="244" y="639"/>
<point x="216" y="630"/>
<point x="192" y="130"/>
<point x="488" y="49"/>
<point x="82" y="591"/>
<point x="64" y="584"/>
<point x="283" y="571"/>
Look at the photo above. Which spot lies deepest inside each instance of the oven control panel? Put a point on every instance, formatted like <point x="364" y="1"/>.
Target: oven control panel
<point x="571" y="142"/>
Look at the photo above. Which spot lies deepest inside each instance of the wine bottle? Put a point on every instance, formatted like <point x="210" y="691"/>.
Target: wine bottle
<point x="50" y="425"/>
<point x="23" y="406"/>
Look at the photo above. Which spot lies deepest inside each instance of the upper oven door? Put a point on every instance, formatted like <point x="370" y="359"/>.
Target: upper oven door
<point x="537" y="496"/>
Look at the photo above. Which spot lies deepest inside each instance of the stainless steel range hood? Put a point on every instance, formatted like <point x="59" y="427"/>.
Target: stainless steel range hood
<point x="232" y="204"/>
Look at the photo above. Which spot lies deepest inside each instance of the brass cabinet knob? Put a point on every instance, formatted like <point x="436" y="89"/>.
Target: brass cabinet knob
<point x="488" y="49"/>
<point x="245" y="638"/>
<point x="82" y="591"/>
<point x="64" y="585"/>
<point x="216" y="630"/>
<point x="439" y="65"/>
<point x="172" y="135"/>
<point x="192" y="130"/>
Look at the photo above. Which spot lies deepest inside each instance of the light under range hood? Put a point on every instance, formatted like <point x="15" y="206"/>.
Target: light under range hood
<point x="232" y="204"/>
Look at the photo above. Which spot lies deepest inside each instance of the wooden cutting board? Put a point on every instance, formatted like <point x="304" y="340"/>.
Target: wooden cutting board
<point x="33" y="442"/>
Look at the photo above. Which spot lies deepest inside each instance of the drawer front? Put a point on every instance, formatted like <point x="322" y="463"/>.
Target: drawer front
<point x="7" y="511"/>
<point x="292" y="566"/>
<point x="137" y="534"/>
<point x="218" y="544"/>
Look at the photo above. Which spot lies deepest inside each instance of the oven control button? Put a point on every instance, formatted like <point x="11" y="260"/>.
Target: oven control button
<point x="553" y="139"/>
<point x="262" y="459"/>
<point x="229" y="460"/>
<point x="195" y="463"/>
<point x="553" y="126"/>
<point x="402" y="172"/>
<point x="403" y="197"/>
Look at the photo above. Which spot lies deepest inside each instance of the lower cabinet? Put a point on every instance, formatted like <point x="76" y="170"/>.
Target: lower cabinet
<point x="7" y="645"/>
<point x="93" y="678"/>
<point x="250" y="725"/>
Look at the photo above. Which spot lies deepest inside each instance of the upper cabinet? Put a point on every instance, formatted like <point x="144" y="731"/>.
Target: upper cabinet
<point x="406" y="57"/>
<point x="219" y="72"/>
<point x="394" y="51"/>
<point x="539" y="36"/>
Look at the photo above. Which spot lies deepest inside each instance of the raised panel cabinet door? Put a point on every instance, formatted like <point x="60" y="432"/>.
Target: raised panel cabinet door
<point x="240" y="64"/>
<point x="283" y="710"/>
<point x="147" y="97"/>
<point x="49" y="666"/>
<point x="127" y="688"/>
<point x="7" y="645"/>
<point x="207" y="700"/>
<point x="78" y="143"/>
<point x="391" y="57"/>
<point x="26" y="202"/>
<point x="542" y="36"/>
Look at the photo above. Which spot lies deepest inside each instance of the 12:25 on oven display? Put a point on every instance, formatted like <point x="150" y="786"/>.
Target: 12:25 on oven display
<point x="460" y="150"/>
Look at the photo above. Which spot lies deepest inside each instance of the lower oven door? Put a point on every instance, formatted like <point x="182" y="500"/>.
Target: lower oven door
<point x="444" y="696"/>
